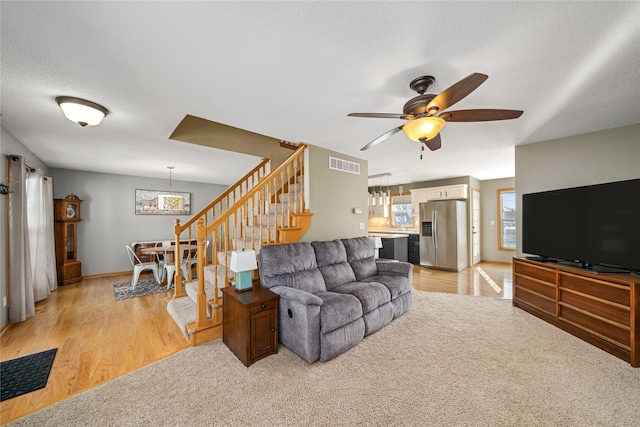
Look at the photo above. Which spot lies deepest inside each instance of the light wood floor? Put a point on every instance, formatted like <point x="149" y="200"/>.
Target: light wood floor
<point x="99" y="339"/>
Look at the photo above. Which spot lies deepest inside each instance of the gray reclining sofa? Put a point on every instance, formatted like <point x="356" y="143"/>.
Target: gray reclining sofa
<point x="333" y="293"/>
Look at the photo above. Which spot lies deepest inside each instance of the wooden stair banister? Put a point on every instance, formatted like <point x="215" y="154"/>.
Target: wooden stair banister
<point x="208" y="212"/>
<point x="266" y="212"/>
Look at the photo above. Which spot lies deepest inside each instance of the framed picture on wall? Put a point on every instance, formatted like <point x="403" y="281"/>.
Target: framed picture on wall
<point x="156" y="202"/>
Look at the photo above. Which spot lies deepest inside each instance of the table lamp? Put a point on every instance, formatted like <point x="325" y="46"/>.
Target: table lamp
<point x="243" y="263"/>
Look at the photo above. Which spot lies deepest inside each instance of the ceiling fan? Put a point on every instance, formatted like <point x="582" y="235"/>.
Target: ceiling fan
<point x="426" y="112"/>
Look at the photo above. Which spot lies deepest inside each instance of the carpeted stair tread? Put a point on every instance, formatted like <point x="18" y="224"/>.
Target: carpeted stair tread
<point x="191" y="289"/>
<point x="183" y="312"/>
<point x="265" y="219"/>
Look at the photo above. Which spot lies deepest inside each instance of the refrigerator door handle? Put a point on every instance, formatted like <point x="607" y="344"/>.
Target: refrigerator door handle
<point x="435" y="228"/>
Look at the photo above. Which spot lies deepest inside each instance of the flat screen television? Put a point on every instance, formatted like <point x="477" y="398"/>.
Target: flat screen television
<point x="596" y="226"/>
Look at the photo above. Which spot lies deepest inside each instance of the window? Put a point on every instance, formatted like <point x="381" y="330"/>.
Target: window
<point x="507" y="219"/>
<point x="402" y="211"/>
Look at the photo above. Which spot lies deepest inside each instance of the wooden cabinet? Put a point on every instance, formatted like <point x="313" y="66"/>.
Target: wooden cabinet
<point x="602" y="309"/>
<point x="421" y="195"/>
<point x="250" y="323"/>
<point x="66" y="218"/>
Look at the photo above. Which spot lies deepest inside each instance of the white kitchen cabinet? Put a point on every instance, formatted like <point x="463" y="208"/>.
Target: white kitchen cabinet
<point x="421" y="195"/>
<point x="418" y="196"/>
<point x="448" y="192"/>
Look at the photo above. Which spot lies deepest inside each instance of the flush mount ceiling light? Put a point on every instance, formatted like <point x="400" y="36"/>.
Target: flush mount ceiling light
<point x="81" y="111"/>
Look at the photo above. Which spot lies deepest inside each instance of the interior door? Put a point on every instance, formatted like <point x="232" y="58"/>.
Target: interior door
<point x="475" y="226"/>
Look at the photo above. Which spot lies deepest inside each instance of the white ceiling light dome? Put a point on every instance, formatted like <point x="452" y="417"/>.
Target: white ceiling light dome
<point x="81" y="111"/>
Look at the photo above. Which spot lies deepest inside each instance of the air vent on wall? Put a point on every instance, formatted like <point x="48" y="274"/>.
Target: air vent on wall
<point x="344" y="165"/>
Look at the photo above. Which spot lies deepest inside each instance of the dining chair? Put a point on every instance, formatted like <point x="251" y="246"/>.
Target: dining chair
<point x="160" y="258"/>
<point x="139" y="267"/>
<point x="194" y="258"/>
<point x="170" y="266"/>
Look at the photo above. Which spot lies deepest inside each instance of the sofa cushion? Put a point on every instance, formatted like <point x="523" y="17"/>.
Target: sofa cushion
<point x="336" y="342"/>
<point x="331" y="258"/>
<point x="397" y="285"/>
<point x="293" y="265"/>
<point x="338" y="310"/>
<point x="360" y="255"/>
<point x="378" y="318"/>
<point x="401" y="304"/>
<point x="371" y="295"/>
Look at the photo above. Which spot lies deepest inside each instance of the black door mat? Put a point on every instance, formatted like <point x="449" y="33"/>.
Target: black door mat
<point x="25" y="374"/>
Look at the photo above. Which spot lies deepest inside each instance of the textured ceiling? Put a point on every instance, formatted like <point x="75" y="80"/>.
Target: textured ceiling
<point x="294" y="70"/>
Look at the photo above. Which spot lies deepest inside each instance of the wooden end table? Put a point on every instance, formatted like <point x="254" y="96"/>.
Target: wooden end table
<point x="250" y="323"/>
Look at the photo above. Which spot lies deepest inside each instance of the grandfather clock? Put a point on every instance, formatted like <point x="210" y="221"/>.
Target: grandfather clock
<point x="66" y="217"/>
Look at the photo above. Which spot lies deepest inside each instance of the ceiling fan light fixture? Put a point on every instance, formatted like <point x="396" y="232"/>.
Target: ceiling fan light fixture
<point x="81" y="111"/>
<point x="424" y="128"/>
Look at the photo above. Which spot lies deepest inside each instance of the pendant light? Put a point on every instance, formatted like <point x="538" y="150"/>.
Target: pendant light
<point x="171" y="168"/>
<point x="379" y="200"/>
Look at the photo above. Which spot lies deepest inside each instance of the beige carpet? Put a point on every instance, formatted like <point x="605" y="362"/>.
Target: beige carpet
<point x="451" y="360"/>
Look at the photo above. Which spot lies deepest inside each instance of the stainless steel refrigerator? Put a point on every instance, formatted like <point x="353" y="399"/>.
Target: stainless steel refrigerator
<point x="443" y="234"/>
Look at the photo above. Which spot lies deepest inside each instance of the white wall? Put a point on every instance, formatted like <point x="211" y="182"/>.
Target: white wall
<point x="593" y="158"/>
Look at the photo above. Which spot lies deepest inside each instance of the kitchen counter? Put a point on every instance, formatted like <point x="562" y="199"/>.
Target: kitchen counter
<point x="392" y="231"/>
<point x="388" y="235"/>
<point x="394" y="245"/>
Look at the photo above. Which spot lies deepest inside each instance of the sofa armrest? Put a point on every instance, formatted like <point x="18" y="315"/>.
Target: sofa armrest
<point x="394" y="268"/>
<point x="296" y="295"/>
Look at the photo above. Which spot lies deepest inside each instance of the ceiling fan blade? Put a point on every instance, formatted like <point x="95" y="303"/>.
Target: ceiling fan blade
<point x="434" y="143"/>
<point x="382" y="115"/>
<point x="480" y="115"/>
<point x="382" y="137"/>
<point x="455" y="93"/>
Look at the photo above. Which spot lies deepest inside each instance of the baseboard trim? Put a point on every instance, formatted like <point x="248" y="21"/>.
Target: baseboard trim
<point x="101" y="275"/>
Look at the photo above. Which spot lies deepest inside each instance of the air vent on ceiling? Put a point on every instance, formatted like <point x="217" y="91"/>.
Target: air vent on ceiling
<point x="344" y="165"/>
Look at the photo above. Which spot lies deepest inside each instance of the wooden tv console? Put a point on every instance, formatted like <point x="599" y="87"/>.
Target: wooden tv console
<point x="602" y="309"/>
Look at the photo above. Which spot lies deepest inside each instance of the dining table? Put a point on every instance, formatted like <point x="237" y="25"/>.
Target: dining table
<point x="160" y="250"/>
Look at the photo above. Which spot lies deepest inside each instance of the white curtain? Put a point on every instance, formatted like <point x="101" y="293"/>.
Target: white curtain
<point x="32" y="266"/>
<point x="41" y="239"/>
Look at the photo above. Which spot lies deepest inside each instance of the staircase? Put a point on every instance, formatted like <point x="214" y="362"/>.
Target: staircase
<point x="261" y="208"/>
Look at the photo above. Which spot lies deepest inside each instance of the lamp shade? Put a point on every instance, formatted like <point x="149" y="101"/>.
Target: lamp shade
<point x="377" y="242"/>
<point x="243" y="261"/>
<point x="423" y="128"/>
<point x="81" y="111"/>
